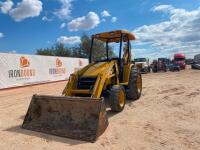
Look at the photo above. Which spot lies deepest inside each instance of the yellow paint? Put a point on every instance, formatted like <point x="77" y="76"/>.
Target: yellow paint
<point x="95" y="69"/>
<point x="115" y="35"/>
<point x="121" y="98"/>
<point x="106" y="73"/>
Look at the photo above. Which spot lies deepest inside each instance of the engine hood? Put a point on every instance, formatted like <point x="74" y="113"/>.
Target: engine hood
<point x="95" y="69"/>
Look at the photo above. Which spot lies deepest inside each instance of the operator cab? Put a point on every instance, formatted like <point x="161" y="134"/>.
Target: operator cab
<point x="119" y="40"/>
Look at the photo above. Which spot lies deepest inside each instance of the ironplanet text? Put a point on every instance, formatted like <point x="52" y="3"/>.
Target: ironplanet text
<point x="21" y="73"/>
<point x="53" y="71"/>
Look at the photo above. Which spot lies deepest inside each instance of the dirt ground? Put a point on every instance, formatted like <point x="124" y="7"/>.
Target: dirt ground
<point x="167" y="116"/>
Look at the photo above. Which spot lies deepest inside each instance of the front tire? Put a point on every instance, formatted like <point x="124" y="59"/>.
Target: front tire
<point x="117" y="98"/>
<point x="135" y="85"/>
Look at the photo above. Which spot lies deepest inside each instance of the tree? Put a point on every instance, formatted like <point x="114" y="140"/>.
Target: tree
<point x="61" y="50"/>
<point x="46" y="52"/>
<point x="57" y="50"/>
<point x="82" y="50"/>
<point x="85" y="45"/>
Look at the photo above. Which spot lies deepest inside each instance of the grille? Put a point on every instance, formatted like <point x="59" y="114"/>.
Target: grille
<point x="86" y="82"/>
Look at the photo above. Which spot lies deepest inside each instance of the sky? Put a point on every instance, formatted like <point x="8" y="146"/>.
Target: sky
<point x="162" y="27"/>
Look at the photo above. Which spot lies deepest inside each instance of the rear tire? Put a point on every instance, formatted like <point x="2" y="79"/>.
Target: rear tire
<point x="135" y="85"/>
<point x="117" y="98"/>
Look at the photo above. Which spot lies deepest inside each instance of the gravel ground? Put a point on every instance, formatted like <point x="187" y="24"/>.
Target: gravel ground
<point x="167" y="116"/>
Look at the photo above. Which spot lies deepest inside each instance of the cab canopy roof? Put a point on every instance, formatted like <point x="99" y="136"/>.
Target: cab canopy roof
<point x="114" y="36"/>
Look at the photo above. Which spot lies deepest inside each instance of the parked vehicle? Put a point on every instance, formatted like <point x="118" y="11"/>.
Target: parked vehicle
<point x="142" y="64"/>
<point x="197" y="58"/>
<point x="160" y="65"/>
<point x="154" y="66"/>
<point x="174" y="67"/>
<point x="165" y="61"/>
<point x="195" y="66"/>
<point x="179" y="59"/>
<point x="196" y="63"/>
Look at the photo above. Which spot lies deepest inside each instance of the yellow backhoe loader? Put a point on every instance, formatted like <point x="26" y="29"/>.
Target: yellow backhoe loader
<point x="80" y="113"/>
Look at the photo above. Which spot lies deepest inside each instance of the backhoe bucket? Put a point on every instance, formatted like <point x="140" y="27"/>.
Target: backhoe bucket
<point x="79" y="118"/>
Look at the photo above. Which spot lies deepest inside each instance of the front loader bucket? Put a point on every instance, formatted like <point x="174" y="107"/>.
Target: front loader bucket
<point x="79" y="118"/>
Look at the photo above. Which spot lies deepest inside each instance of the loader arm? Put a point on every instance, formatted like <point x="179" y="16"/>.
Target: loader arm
<point x="73" y="79"/>
<point x="106" y="75"/>
<point x="102" y="80"/>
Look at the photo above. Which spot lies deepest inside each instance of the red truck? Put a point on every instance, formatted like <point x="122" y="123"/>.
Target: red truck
<point x="179" y="59"/>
